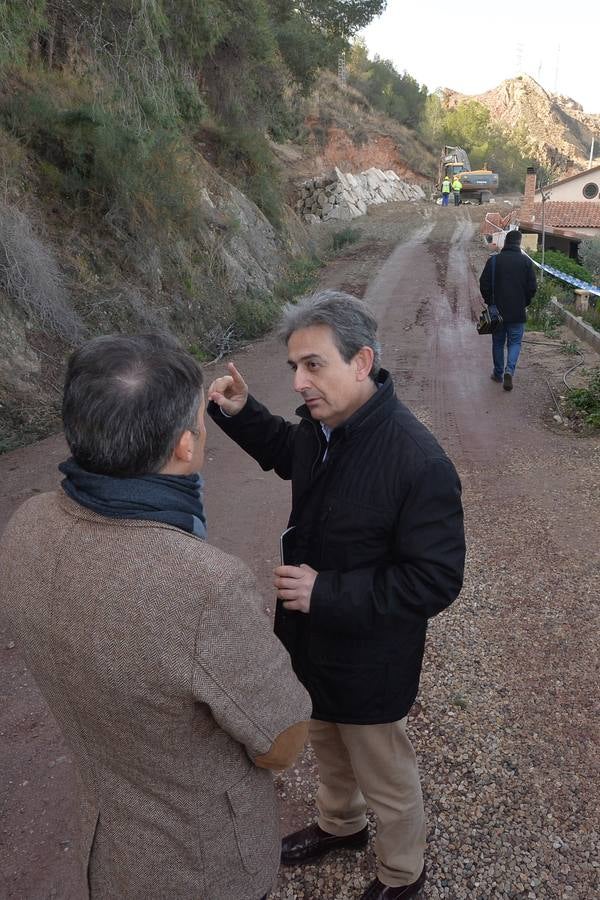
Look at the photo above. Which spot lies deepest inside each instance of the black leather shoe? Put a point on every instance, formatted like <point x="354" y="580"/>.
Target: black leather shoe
<point x="379" y="891"/>
<point x="312" y="842"/>
<point x="507" y="381"/>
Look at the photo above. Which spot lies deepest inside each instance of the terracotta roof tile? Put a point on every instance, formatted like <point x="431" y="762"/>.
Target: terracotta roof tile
<point x="570" y="215"/>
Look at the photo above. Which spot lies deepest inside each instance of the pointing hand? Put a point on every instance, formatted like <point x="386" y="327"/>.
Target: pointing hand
<point x="230" y="392"/>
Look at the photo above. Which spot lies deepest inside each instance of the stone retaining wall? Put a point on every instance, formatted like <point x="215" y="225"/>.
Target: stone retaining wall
<point x="577" y="325"/>
<point x="346" y="196"/>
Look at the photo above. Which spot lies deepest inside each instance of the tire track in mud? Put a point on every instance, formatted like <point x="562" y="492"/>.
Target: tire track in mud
<point x="426" y="296"/>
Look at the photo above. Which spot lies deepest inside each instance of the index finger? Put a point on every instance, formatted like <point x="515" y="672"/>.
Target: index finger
<point x="237" y="378"/>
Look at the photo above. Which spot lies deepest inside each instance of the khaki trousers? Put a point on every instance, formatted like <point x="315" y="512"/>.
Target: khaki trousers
<point x="372" y="765"/>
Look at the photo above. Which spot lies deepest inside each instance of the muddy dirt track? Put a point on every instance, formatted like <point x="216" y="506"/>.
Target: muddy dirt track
<point x="505" y="727"/>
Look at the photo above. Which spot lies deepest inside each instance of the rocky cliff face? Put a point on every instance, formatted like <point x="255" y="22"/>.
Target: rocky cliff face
<point x="558" y="130"/>
<point x="61" y="282"/>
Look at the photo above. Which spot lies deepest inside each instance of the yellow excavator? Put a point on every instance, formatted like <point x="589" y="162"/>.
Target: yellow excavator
<point x="477" y="184"/>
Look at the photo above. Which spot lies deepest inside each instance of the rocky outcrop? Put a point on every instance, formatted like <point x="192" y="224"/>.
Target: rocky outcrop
<point x="346" y="196"/>
<point x="556" y="128"/>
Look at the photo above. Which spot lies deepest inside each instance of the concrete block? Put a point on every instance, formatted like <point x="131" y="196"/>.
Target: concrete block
<point x="529" y="241"/>
<point x="582" y="300"/>
<point x="334" y="214"/>
<point x="341" y="178"/>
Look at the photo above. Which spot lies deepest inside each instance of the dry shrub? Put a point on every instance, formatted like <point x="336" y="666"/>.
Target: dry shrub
<point x="31" y="277"/>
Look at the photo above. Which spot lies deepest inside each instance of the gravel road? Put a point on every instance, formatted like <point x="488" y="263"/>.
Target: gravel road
<point x="506" y="726"/>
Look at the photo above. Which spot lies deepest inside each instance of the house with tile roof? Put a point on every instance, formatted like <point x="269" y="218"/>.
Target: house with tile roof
<point x="571" y="209"/>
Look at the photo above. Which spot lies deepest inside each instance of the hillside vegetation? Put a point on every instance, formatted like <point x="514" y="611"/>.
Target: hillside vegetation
<point x="148" y="154"/>
<point x="139" y="185"/>
<point x="469" y="124"/>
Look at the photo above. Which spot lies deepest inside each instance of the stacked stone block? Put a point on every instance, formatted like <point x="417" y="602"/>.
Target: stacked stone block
<point x="345" y="196"/>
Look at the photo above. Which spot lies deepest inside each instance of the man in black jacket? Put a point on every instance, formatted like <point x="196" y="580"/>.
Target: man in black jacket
<point x="377" y="548"/>
<point x="508" y="282"/>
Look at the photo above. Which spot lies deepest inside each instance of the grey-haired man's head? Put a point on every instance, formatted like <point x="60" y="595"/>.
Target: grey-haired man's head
<point x="352" y="323"/>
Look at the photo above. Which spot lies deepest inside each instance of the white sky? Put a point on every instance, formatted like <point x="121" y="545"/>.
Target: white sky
<point x="555" y="42"/>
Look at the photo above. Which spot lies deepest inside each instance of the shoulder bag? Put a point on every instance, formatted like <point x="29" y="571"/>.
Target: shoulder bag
<point x="490" y="322"/>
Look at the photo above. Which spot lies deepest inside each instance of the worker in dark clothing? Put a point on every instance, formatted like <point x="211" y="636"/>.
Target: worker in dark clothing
<point x="508" y="283"/>
<point x="377" y="549"/>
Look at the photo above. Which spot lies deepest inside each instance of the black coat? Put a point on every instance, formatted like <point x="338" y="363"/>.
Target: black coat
<point x="381" y="521"/>
<point x="514" y="284"/>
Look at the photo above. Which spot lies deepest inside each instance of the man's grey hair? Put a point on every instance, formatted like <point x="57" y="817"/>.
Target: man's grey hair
<point x="352" y="323"/>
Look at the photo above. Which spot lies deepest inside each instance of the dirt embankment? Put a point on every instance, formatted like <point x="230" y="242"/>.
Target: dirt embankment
<point x="352" y="153"/>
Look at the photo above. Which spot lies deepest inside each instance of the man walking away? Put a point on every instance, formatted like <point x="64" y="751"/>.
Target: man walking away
<point x="378" y="548"/>
<point x="508" y="282"/>
<point x="456" y="188"/>
<point x="446" y="188"/>
<point x="150" y="646"/>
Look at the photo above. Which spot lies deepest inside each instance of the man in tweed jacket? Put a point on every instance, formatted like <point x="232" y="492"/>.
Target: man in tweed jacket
<point x="151" y="646"/>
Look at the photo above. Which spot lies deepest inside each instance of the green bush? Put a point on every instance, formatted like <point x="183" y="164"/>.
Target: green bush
<point x="190" y="105"/>
<point x="540" y="316"/>
<point x="343" y="237"/>
<point x="93" y="160"/>
<point x="586" y="401"/>
<point x="589" y="252"/>
<point x="255" y="315"/>
<point x="592" y="316"/>
<point x="247" y="157"/>
<point x="395" y="94"/>
<point x="299" y="279"/>
<point x="198" y="353"/>
<point x="19" y="24"/>
<point x="563" y="263"/>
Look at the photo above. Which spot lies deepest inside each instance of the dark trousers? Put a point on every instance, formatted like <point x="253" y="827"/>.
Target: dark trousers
<point x="457" y="198"/>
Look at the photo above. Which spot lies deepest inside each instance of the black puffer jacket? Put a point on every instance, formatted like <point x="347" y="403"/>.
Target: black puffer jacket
<point x="514" y="284"/>
<point x="381" y="521"/>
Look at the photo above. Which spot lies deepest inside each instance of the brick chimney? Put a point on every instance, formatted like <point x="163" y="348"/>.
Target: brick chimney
<point x="527" y="213"/>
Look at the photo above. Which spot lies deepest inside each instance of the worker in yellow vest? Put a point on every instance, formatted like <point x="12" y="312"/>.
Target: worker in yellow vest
<point x="446" y="188"/>
<point x="456" y="189"/>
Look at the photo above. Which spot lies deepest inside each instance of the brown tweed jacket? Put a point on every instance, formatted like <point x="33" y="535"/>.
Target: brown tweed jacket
<point x="154" y="655"/>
